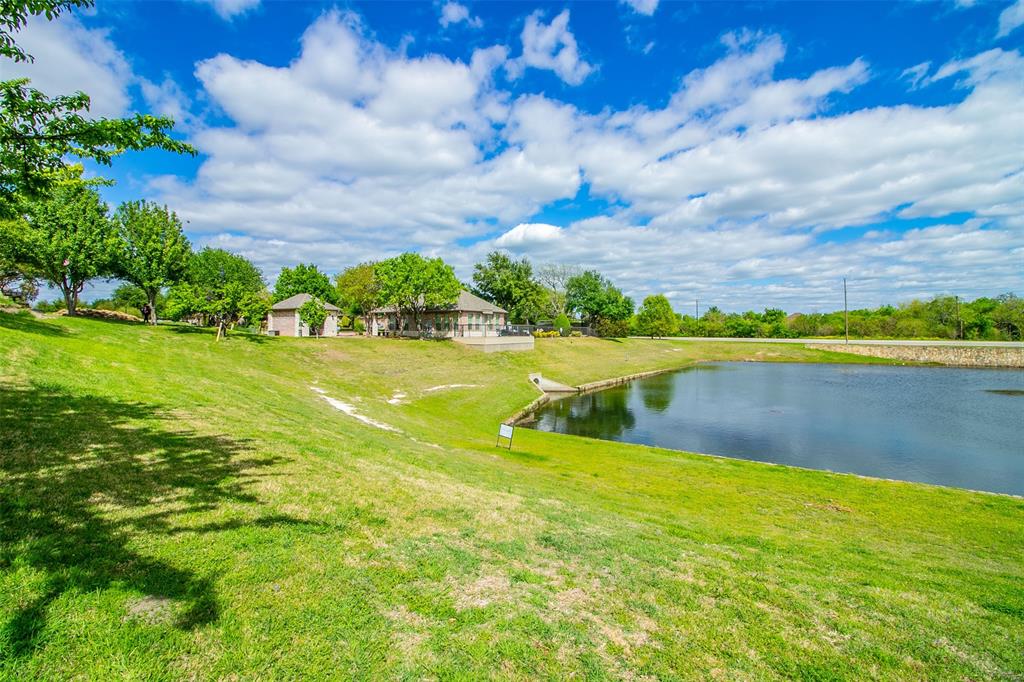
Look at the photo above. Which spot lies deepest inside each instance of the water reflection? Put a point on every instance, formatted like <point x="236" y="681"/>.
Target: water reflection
<point x="605" y="414"/>
<point x="958" y="427"/>
<point x="657" y="391"/>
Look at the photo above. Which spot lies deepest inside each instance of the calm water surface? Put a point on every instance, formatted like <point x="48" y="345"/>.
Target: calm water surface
<point x="956" y="427"/>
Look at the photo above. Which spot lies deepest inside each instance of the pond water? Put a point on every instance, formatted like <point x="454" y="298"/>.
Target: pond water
<point x="955" y="427"/>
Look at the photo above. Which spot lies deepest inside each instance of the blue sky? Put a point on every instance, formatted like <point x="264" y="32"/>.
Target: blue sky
<point x="747" y="154"/>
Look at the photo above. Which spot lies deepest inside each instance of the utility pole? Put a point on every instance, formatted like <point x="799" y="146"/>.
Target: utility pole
<point x="959" y="322"/>
<point x="696" y="309"/>
<point x="846" y="313"/>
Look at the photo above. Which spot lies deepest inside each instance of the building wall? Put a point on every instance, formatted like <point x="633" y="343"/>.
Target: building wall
<point x="330" y="325"/>
<point x="288" y="323"/>
<point x="284" y="322"/>
<point x="483" y="324"/>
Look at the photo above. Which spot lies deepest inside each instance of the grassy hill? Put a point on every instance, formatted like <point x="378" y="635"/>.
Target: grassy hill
<point x="171" y="508"/>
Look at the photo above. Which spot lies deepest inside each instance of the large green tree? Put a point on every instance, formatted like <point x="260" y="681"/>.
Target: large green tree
<point x="597" y="301"/>
<point x="358" y="290"/>
<point x="70" y="240"/>
<point x="220" y="288"/>
<point x="304" y="279"/>
<point x="39" y="133"/>
<point x="414" y="283"/>
<point x="510" y="284"/>
<point x="155" y="250"/>
<point x="656" y="317"/>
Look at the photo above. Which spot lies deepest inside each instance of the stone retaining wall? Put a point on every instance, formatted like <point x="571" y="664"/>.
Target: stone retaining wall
<point x="954" y="356"/>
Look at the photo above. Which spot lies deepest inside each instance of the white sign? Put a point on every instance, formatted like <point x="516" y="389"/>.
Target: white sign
<point x="504" y="431"/>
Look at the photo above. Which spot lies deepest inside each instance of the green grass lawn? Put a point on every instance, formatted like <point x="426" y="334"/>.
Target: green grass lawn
<point x="171" y="508"/>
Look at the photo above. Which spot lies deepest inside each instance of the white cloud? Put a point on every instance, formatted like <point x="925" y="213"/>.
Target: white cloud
<point x="455" y="13"/>
<point x="916" y="75"/>
<point x="645" y="7"/>
<point x="69" y="58"/>
<point x="229" y="9"/>
<point x="1010" y="19"/>
<point x="731" y="191"/>
<point x="552" y="47"/>
<point x="167" y="99"/>
<point x="995" y="64"/>
<point x="525" y="235"/>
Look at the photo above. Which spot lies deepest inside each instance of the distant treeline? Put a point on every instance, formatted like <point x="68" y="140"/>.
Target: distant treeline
<point x="943" y="317"/>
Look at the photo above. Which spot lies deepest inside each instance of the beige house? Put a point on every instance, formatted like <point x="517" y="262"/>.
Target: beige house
<point x="284" y="319"/>
<point x="469" y="316"/>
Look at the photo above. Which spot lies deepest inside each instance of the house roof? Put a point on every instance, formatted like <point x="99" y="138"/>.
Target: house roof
<point x="295" y="302"/>
<point x="467" y="302"/>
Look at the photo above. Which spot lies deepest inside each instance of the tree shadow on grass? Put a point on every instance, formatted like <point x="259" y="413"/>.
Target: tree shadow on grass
<point x="61" y="457"/>
<point x="212" y="333"/>
<point x="25" y="322"/>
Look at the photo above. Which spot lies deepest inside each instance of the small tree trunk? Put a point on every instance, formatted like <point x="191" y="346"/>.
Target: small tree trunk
<point x="151" y="301"/>
<point x="70" y="300"/>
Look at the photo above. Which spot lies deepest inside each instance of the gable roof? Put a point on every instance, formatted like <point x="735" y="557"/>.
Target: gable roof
<point x="295" y="302"/>
<point x="466" y="302"/>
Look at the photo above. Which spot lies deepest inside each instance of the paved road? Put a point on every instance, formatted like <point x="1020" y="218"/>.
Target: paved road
<point x="858" y="342"/>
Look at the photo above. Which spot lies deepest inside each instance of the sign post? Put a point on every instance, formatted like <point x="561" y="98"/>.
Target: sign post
<point x="505" y="431"/>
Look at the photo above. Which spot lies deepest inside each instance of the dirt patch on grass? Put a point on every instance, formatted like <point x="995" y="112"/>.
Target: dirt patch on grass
<point x="410" y="631"/>
<point x="151" y="610"/>
<point x="482" y="592"/>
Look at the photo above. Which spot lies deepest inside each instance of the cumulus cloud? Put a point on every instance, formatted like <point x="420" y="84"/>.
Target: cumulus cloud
<point x="71" y="58"/>
<point x="68" y="57"/>
<point x="229" y="9"/>
<point x="645" y="7"/>
<point x="525" y="235"/>
<point x="354" y="148"/>
<point x="1010" y="19"/>
<point x="732" y="190"/>
<point x="551" y="47"/>
<point x="455" y="13"/>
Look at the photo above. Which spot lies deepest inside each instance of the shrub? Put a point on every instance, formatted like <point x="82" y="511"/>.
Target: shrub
<point x="611" y="328"/>
<point x="359" y="326"/>
<point x="575" y="333"/>
<point x="345" y="322"/>
<point x="564" y="323"/>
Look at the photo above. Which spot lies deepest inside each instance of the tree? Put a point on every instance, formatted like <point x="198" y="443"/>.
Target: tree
<point x="555" y="278"/>
<point x="38" y="133"/>
<point x="220" y="288"/>
<point x="18" y="277"/>
<point x="414" y="283"/>
<point x="313" y="313"/>
<point x="597" y="301"/>
<point x="70" y="240"/>
<point x="358" y="290"/>
<point x="656" y="317"/>
<point x="130" y="296"/>
<point x="155" y="250"/>
<point x="509" y="284"/>
<point x="304" y="279"/>
<point x="1008" y="316"/>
